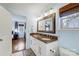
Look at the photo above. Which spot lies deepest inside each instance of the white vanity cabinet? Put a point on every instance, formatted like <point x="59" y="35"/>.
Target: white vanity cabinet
<point x="35" y="46"/>
<point x="44" y="49"/>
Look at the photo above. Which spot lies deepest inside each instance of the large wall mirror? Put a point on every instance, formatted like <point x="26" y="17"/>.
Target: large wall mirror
<point x="46" y="24"/>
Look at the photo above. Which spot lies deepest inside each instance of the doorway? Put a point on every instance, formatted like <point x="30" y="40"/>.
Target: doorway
<point x="19" y="37"/>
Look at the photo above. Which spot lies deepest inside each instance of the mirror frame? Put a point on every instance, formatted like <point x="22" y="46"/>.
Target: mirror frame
<point x="53" y="21"/>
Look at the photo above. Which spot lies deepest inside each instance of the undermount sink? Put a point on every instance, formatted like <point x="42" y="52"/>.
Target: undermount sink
<point x="46" y="39"/>
<point x="37" y="36"/>
<point x="42" y="38"/>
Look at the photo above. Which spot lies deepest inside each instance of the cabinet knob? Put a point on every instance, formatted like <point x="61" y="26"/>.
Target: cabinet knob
<point x="53" y="51"/>
<point x="1" y="39"/>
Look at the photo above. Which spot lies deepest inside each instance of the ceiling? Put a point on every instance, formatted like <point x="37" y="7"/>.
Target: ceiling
<point x="29" y="8"/>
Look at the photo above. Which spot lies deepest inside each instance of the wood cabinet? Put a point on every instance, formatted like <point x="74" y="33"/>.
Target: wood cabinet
<point x="44" y="49"/>
<point x="69" y="9"/>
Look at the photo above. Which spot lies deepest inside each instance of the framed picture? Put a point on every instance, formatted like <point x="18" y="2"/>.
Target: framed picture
<point x="70" y="21"/>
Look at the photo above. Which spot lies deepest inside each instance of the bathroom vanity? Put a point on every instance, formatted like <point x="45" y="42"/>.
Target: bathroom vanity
<point x="44" y="45"/>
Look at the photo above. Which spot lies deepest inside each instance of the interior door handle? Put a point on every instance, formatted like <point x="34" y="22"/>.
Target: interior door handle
<point x="1" y="39"/>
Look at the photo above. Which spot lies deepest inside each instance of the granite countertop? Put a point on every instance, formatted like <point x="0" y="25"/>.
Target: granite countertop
<point x="44" y="38"/>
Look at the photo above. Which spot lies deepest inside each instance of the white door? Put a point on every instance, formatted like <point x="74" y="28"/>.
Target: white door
<point x="5" y="33"/>
<point x="21" y="29"/>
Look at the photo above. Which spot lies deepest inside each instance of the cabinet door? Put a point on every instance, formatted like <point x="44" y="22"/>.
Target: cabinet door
<point x="52" y="49"/>
<point x="41" y="48"/>
<point x="5" y="32"/>
<point x="34" y="45"/>
<point x="32" y="42"/>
